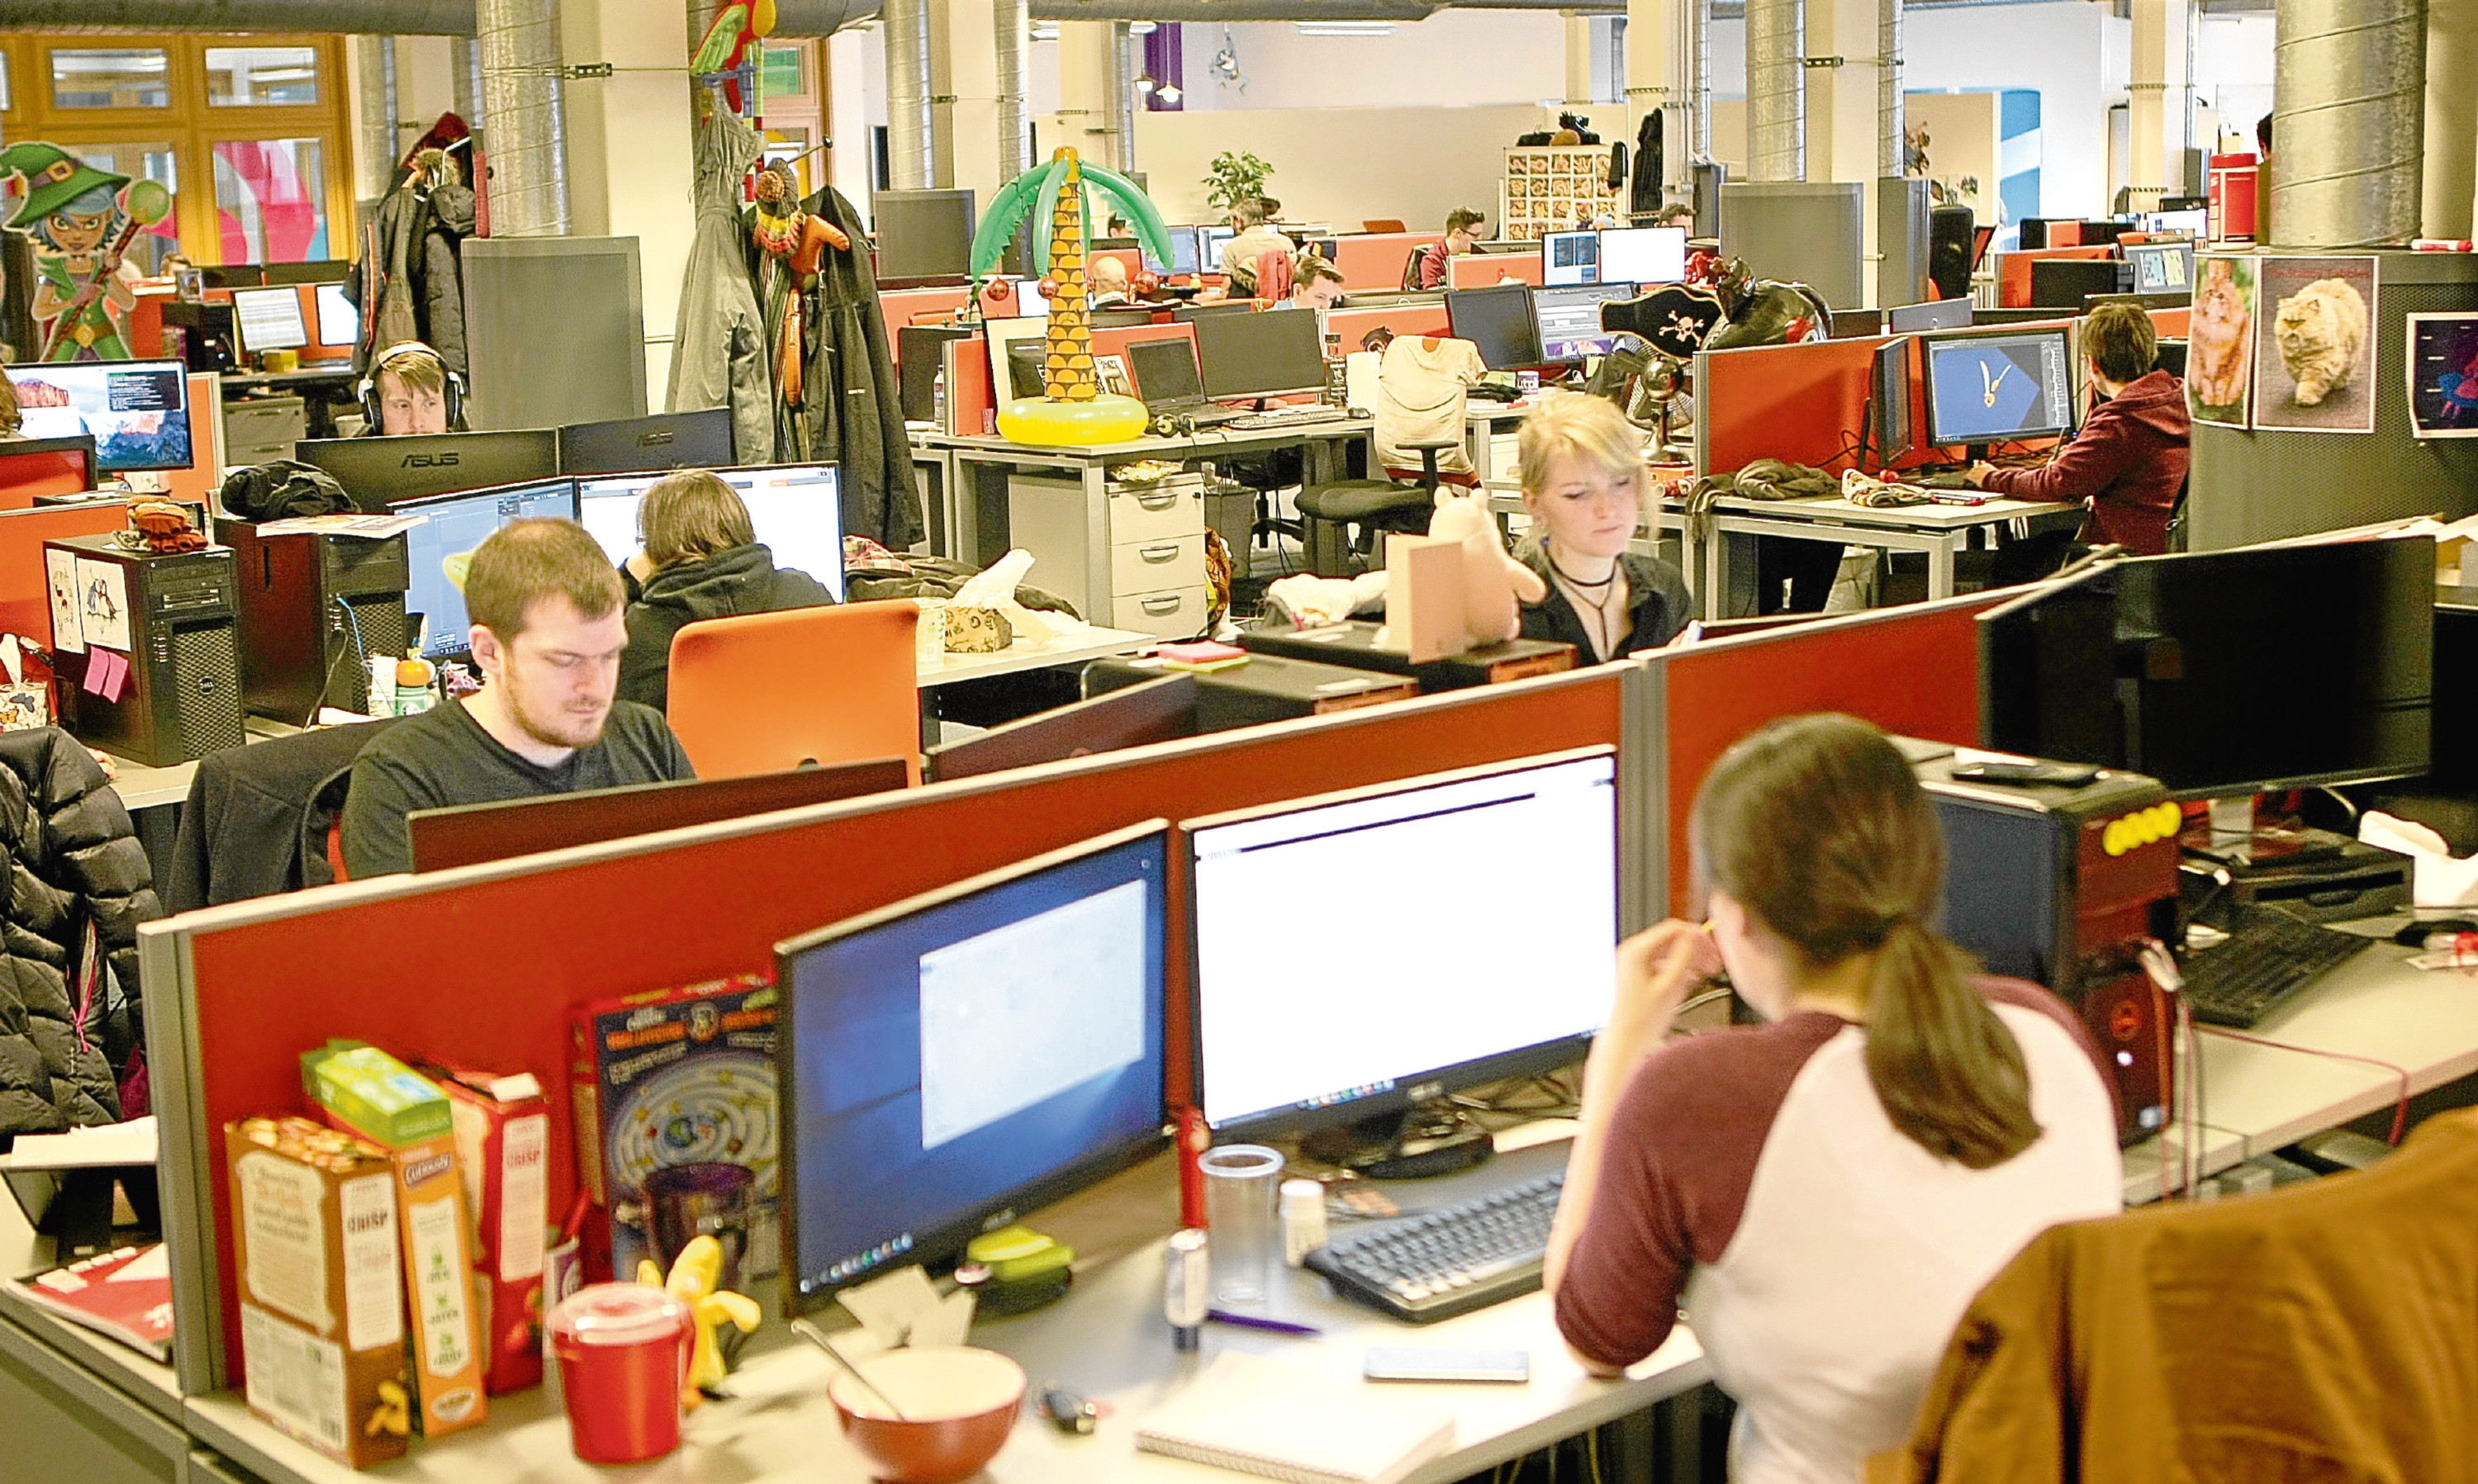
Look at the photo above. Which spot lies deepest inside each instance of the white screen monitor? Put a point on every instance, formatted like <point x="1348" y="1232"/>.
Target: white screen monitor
<point x="1367" y="1000"/>
<point x="796" y="510"/>
<point x="1211" y="240"/>
<point x="339" y="323"/>
<point x="1643" y="255"/>
<point x="269" y="319"/>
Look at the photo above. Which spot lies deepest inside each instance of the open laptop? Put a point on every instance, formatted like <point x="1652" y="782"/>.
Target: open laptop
<point x="1171" y="384"/>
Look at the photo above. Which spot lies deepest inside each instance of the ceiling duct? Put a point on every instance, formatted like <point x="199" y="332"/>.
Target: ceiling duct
<point x="350" y="17"/>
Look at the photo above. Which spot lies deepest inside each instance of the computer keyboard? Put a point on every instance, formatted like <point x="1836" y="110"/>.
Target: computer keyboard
<point x="1288" y="418"/>
<point x="1451" y="1261"/>
<point x="2269" y="958"/>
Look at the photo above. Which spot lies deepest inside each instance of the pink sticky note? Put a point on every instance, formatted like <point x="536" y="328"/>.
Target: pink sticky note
<point x="98" y="665"/>
<point x="117" y="684"/>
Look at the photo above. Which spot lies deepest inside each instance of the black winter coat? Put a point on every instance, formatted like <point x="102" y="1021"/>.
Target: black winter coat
<point x="72" y="859"/>
<point x="743" y="580"/>
<point x="851" y="398"/>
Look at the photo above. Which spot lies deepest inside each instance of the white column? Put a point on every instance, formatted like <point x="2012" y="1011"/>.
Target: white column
<point x="1659" y="77"/>
<point x="367" y="60"/>
<point x="1579" y="59"/>
<point x="631" y="167"/>
<point x="2157" y="108"/>
<point x="851" y="85"/>
<point x="964" y="82"/>
<point x="2451" y="117"/>
<point x="1087" y="115"/>
<point x="1841" y="98"/>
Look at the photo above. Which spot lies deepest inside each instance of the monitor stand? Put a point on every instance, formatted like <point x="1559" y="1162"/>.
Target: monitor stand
<point x="1431" y="1139"/>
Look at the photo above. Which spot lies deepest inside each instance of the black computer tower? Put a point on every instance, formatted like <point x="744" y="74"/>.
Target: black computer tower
<point x="182" y="698"/>
<point x="312" y="609"/>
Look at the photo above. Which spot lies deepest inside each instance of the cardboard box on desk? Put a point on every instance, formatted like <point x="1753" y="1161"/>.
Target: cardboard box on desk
<point x="503" y="1126"/>
<point x="321" y="1286"/>
<point x="367" y="1092"/>
<point x="674" y="1077"/>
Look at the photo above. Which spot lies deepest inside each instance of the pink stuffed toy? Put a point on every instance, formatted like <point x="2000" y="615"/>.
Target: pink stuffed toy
<point x="1494" y="583"/>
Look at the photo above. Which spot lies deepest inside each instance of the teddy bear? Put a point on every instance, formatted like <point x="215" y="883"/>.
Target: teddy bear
<point x="1494" y="583"/>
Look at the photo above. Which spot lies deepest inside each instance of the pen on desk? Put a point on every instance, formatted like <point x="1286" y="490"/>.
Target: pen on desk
<point x="1257" y="1322"/>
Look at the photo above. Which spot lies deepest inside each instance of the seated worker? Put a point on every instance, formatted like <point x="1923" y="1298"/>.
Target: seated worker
<point x="702" y="560"/>
<point x="1107" y="284"/>
<point x="1462" y="230"/>
<point x="2130" y="460"/>
<point x="548" y="633"/>
<point x="1582" y="466"/>
<point x="1827" y="1191"/>
<point x="1239" y="255"/>
<point x="406" y="392"/>
<point x="1317" y="284"/>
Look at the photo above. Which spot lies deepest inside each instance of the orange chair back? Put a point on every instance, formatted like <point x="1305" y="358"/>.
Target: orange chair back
<point x="767" y="691"/>
<point x="1383" y="224"/>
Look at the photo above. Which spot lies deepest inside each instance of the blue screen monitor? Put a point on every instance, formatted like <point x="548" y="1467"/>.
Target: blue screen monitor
<point x="1995" y="388"/>
<point x="137" y="411"/>
<point x="449" y="526"/>
<point x="796" y="509"/>
<point x="1570" y="258"/>
<point x="2162" y="267"/>
<point x="1182" y="252"/>
<point x="961" y="1057"/>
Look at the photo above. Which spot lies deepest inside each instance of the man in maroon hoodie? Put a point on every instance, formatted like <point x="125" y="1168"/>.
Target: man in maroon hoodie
<point x="2129" y="462"/>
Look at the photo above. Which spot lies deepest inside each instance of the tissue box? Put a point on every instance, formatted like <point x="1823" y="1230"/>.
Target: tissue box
<point x="977" y="630"/>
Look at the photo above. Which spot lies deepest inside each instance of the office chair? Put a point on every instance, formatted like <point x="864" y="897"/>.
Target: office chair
<point x="1383" y="224"/>
<point x="1328" y="512"/>
<point x="766" y="691"/>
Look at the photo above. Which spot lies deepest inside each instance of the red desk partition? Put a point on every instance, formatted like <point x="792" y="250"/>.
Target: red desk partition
<point x="1425" y="317"/>
<point x="25" y="601"/>
<point x="915" y="306"/>
<point x="493" y="957"/>
<point x="52" y="465"/>
<point x="2014" y="270"/>
<point x="1478" y="271"/>
<point x="1374" y="260"/>
<point x="1803" y="403"/>
<point x="1911" y="670"/>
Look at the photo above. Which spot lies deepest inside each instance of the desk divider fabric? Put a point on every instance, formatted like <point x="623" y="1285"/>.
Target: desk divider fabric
<point x="25" y="596"/>
<point x="1373" y="259"/>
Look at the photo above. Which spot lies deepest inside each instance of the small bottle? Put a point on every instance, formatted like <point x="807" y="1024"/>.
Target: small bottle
<point x="1187" y="1285"/>
<point x="1302" y="1220"/>
<point x="414" y="693"/>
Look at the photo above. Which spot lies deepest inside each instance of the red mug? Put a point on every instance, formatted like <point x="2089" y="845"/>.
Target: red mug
<point x="624" y="1354"/>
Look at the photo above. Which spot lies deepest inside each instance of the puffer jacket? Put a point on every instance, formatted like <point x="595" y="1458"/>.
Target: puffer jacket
<point x="73" y="859"/>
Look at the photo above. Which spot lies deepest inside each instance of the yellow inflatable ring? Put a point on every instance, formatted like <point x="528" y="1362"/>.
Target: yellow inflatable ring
<point x="1042" y="423"/>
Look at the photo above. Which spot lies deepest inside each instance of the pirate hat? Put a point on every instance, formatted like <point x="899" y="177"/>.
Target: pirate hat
<point x="54" y="177"/>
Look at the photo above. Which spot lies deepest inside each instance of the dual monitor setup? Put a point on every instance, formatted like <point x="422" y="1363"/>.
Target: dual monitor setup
<point x="1005" y="1042"/>
<point x="1234" y="355"/>
<point x="1613" y="255"/>
<point x="274" y="319"/>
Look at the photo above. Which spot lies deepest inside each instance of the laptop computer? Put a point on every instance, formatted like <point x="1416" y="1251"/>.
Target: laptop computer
<point x="1171" y="384"/>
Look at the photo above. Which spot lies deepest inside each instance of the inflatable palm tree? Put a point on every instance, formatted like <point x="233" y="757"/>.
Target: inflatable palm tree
<point x="1049" y="203"/>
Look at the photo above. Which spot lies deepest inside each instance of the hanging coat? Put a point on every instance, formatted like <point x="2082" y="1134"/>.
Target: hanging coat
<point x="719" y="348"/>
<point x="854" y="402"/>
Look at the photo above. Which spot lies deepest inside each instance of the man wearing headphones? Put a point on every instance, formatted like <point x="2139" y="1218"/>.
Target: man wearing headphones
<point x="410" y="390"/>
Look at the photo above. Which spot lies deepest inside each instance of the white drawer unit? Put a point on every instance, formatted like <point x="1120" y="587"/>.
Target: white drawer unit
<point x="1149" y="566"/>
<point x="1149" y="540"/>
<point x="1178" y="613"/>
<point x="1150" y="513"/>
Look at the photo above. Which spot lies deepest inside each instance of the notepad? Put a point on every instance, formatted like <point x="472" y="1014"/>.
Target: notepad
<point x="1262" y="1416"/>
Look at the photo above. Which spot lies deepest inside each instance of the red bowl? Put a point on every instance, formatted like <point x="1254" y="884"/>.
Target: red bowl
<point x="959" y="1403"/>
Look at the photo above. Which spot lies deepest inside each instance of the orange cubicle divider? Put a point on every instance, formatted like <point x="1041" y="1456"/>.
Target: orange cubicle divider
<point x="1478" y="271"/>
<point x="1427" y="316"/>
<point x="535" y="937"/>
<point x="916" y="306"/>
<point x="25" y="598"/>
<point x="1374" y="260"/>
<point x="47" y="466"/>
<point x="1912" y="671"/>
<point x="2014" y="270"/>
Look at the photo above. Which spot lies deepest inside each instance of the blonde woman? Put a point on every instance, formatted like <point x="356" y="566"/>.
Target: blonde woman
<point x="702" y="560"/>
<point x="1583" y="486"/>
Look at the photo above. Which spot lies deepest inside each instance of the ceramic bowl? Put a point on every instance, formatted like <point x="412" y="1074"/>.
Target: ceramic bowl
<point x="958" y="1403"/>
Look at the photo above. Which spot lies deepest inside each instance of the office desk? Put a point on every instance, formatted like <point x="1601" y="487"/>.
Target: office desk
<point x="1093" y="643"/>
<point x="1938" y="529"/>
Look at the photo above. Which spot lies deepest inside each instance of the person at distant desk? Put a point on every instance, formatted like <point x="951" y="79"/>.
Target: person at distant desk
<point x="1582" y="473"/>
<point x="1254" y="239"/>
<point x="2131" y="458"/>
<point x="1317" y="286"/>
<point x="408" y="390"/>
<point x="1825" y="1193"/>
<point x="702" y="560"/>
<point x="547" y="634"/>
<point x="1462" y="233"/>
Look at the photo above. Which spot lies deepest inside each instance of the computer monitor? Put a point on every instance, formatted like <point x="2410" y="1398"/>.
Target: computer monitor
<point x="1499" y="320"/>
<point x="1889" y="400"/>
<point x="2224" y="674"/>
<point x="1366" y="1001"/>
<point x="922" y="234"/>
<point x="1208" y="245"/>
<point x="2172" y="357"/>
<point x="270" y="318"/>
<point x="378" y="472"/>
<point x="438" y="547"/>
<point x="322" y="270"/>
<point x="1570" y="321"/>
<point x="1324" y="247"/>
<point x="1643" y="255"/>
<point x="1277" y="353"/>
<point x="339" y="322"/>
<point x="1570" y="258"/>
<point x="470" y="834"/>
<point x="984" y="1049"/>
<point x="1155" y="711"/>
<point x="2064" y="283"/>
<point x="2162" y="267"/>
<point x="137" y="411"/>
<point x="795" y="508"/>
<point x="1182" y="252"/>
<point x="1935" y="314"/>
<point x="665" y="440"/>
<point x="920" y="356"/>
<point x="1992" y="389"/>
<point x="1165" y="371"/>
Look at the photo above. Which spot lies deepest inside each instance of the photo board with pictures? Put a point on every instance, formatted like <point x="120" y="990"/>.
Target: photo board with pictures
<point x="2314" y="344"/>
<point x="2442" y="376"/>
<point x="2220" y="340"/>
<point x="1555" y="187"/>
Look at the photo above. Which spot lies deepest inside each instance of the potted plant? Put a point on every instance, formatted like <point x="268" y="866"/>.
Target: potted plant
<point x="1235" y="178"/>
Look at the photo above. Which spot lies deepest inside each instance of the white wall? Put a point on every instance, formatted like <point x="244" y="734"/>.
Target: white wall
<point x="1455" y="58"/>
<point x="2233" y="71"/>
<point x="1340" y="165"/>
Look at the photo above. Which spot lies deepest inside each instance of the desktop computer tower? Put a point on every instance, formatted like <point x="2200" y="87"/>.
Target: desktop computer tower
<point x="2061" y="886"/>
<point x="181" y="698"/>
<point x="312" y="609"/>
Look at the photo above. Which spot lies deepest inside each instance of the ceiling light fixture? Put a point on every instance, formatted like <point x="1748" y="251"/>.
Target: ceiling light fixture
<point x="1170" y="93"/>
<point x="1346" y="27"/>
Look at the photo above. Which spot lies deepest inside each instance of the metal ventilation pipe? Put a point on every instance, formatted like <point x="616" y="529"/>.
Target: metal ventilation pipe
<point x="520" y="97"/>
<point x="374" y="147"/>
<point x="1699" y="81"/>
<point x="907" y="95"/>
<point x="1015" y="140"/>
<point x="1123" y="96"/>
<point x="1891" y="128"/>
<point x="1775" y="90"/>
<point x="2348" y="122"/>
<point x="466" y="57"/>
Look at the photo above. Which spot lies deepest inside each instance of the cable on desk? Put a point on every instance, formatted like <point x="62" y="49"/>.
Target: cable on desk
<point x="360" y="653"/>
<point x="2400" y="1109"/>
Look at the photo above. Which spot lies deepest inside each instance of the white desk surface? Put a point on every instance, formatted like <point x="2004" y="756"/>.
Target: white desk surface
<point x="1204" y="439"/>
<point x="125" y="1370"/>
<point x="1919" y="517"/>
<point x="141" y="787"/>
<point x="1092" y="643"/>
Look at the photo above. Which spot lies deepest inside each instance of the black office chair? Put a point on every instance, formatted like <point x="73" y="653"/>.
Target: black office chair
<point x="1328" y="512"/>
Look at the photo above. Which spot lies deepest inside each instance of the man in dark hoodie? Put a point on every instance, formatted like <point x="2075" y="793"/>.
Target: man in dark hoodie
<point x="2130" y="460"/>
<point x="702" y="560"/>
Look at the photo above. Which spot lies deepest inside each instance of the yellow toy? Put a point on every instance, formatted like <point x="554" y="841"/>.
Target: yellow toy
<point x="695" y="1273"/>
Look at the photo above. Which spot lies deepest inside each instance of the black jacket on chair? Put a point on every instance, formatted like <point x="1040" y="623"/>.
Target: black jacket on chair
<point x="257" y="817"/>
<point x="73" y="859"/>
<point x="743" y="580"/>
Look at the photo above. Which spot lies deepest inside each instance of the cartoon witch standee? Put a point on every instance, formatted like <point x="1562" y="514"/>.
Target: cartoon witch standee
<point x="83" y="220"/>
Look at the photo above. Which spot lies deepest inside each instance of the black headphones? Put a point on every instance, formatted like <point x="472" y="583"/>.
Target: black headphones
<point x="452" y="395"/>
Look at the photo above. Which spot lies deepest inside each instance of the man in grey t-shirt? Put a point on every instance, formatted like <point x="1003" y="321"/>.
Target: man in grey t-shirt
<point x="547" y="632"/>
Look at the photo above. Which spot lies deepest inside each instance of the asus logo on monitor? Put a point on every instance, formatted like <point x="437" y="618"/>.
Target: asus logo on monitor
<point x="429" y="460"/>
<point x="656" y="439"/>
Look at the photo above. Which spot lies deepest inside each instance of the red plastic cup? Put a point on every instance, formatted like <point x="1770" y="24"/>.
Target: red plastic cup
<point x="623" y="1353"/>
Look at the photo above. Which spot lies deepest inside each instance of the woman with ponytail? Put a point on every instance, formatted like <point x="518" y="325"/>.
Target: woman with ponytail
<point x="1823" y="1194"/>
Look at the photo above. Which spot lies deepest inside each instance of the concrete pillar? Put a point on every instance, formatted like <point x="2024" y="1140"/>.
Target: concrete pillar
<point x="2161" y="106"/>
<point x="1579" y="59"/>
<point x="425" y="85"/>
<point x="631" y="167"/>
<point x="1088" y="116"/>
<point x="371" y="64"/>
<point x="1841" y="92"/>
<point x="2451" y="117"/>
<point x="1659" y="79"/>
<point x="851" y="85"/>
<point x="964" y="93"/>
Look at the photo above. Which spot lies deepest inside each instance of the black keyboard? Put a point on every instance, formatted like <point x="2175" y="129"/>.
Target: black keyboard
<point x="2269" y="958"/>
<point x="1451" y="1261"/>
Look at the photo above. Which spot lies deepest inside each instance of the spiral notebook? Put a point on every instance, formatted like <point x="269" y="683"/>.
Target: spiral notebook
<point x="1262" y="1416"/>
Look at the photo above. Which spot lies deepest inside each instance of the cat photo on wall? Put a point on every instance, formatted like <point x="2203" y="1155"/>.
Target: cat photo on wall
<point x="2314" y="344"/>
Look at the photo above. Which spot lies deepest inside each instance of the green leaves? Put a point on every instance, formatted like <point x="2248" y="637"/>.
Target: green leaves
<point x="1232" y="179"/>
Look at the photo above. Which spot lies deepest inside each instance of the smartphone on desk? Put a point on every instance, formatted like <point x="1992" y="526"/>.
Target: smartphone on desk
<point x="1445" y="1362"/>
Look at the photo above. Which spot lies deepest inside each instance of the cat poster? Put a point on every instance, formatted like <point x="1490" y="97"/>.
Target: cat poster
<point x="2314" y="344"/>
<point x="2219" y="353"/>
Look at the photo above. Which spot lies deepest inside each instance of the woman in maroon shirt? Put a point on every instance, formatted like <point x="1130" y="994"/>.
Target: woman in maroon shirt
<point x="2128" y="465"/>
